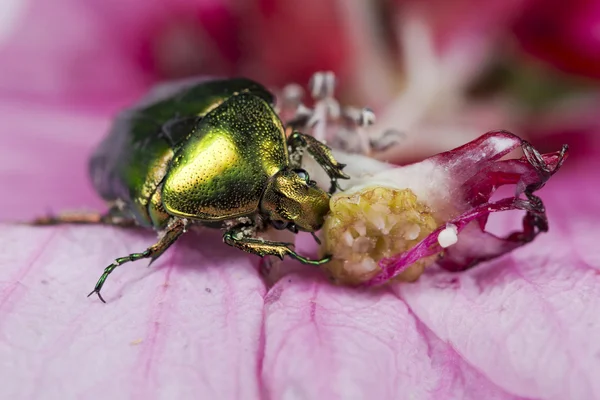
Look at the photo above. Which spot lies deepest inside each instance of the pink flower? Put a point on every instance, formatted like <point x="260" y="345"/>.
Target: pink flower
<point x="101" y="53"/>
<point x="201" y="322"/>
<point x="389" y="221"/>
<point x="563" y="35"/>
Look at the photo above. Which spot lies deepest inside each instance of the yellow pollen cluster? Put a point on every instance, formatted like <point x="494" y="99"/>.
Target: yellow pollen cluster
<point x="370" y="224"/>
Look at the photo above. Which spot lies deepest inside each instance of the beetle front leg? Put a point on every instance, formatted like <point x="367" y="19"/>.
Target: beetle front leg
<point x="321" y="153"/>
<point x="238" y="238"/>
<point x="153" y="252"/>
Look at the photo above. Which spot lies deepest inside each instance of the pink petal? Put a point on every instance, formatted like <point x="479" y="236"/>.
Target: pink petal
<point x="189" y="325"/>
<point x="66" y="52"/>
<point x="192" y="323"/>
<point x="318" y="339"/>
<point x="529" y="320"/>
<point x="44" y="160"/>
<point x="326" y="342"/>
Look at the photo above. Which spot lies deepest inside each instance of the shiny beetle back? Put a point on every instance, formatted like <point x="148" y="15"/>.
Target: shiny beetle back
<point x="222" y="170"/>
<point x="131" y="162"/>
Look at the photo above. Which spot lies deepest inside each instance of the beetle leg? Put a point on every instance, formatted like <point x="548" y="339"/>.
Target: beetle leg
<point x="321" y="153"/>
<point x="112" y="217"/>
<point x="236" y="237"/>
<point x="169" y="236"/>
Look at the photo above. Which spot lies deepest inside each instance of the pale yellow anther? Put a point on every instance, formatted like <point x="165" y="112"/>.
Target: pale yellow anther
<point x="372" y="223"/>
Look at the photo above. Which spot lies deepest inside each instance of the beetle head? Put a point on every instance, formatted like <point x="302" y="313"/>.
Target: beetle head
<point x="291" y="200"/>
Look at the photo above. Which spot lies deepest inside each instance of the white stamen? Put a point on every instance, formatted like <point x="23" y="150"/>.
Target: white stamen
<point x="293" y="93"/>
<point x="327" y="120"/>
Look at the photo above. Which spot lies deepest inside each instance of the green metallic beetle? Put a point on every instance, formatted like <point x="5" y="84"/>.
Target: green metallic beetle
<point x="211" y="153"/>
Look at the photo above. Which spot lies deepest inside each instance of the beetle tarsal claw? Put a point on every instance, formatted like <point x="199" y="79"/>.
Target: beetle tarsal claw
<point x="98" y="294"/>
<point x="304" y="260"/>
<point x="153" y="252"/>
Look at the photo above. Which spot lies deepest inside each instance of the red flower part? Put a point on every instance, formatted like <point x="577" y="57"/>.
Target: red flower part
<point x="562" y="34"/>
<point x="478" y="172"/>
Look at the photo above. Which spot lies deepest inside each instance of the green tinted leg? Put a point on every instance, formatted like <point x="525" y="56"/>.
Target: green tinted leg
<point x="153" y="252"/>
<point x="235" y="237"/>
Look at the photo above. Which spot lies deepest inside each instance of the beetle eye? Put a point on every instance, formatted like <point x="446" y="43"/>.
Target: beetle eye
<point x="302" y="174"/>
<point x="279" y="225"/>
<point x="292" y="227"/>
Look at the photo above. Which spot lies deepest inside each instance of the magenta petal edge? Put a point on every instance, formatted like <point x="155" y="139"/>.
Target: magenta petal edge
<point x="478" y="171"/>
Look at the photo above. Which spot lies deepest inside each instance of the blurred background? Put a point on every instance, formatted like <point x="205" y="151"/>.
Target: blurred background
<point x="441" y="71"/>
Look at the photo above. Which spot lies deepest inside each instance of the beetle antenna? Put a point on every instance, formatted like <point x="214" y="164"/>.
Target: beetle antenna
<point x="316" y="238"/>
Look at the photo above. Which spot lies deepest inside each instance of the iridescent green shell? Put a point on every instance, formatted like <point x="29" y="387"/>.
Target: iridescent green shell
<point x="222" y="169"/>
<point x="130" y="165"/>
